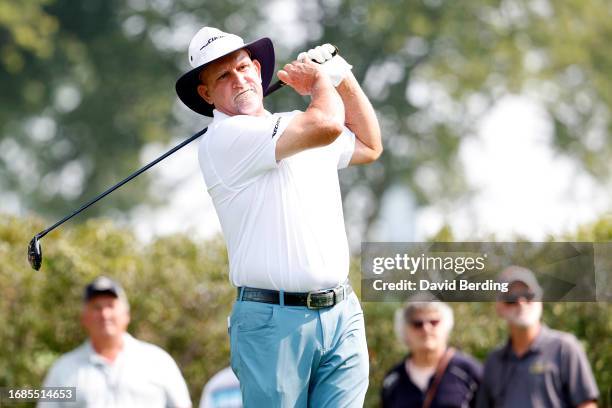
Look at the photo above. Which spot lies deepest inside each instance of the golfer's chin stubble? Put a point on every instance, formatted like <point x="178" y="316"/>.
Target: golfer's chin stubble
<point x="249" y="103"/>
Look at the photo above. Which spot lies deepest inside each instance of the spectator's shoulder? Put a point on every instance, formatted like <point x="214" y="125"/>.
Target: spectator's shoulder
<point x="68" y="364"/>
<point x="467" y="363"/>
<point x="561" y="336"/>
<point x="151" y="352"/>
<point x="392" y="377"/>
<point x="567" y="342"/>
<point x="75" y="357"/>
<point x="497" y="354"/>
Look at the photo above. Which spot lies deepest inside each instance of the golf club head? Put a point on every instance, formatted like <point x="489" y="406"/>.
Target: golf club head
<point x="35" y="253"/>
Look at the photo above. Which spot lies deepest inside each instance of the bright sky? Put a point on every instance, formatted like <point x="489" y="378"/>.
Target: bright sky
<point x="524" y="188"/>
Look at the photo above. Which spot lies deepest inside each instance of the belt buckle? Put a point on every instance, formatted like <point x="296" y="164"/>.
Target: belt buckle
<point x="309" y="304"/>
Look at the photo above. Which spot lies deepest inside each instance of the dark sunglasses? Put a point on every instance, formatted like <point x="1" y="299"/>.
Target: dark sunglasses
<point x="512" y="299"/>
<point x="419" y="324"/>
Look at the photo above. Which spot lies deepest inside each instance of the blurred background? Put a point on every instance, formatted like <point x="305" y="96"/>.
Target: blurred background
<point x="496" y="119"/>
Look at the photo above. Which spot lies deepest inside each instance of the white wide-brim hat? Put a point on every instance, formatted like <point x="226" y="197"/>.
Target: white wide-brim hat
<point x="208" y="45"/>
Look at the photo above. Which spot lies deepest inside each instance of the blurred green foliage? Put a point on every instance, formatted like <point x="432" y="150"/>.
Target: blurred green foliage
<point x="85" y="85"/>
<point x="180" y="297"/>
<point x="178" y="292"/>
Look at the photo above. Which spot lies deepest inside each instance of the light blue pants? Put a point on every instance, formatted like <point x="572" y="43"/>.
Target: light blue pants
<point x="291" y="356"/>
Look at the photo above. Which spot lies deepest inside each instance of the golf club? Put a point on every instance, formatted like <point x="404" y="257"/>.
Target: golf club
<point x="35" y="254"/>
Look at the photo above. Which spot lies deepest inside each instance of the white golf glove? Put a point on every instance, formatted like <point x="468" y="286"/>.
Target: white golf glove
<point x="334" y="66"/>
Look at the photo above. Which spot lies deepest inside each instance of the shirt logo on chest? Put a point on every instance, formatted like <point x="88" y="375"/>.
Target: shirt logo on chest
<point x="539" y="367"/>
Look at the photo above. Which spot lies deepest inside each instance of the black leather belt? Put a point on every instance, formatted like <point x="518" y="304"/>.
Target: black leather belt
<point x="312" y="300"/>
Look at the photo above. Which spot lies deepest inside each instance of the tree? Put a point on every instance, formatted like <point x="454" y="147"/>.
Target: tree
<point x="433" y="68"/>
<point x="86" y="85"/>
<point x="180" y="298"/>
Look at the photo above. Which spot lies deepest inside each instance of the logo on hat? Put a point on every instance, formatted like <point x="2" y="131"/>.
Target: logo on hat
<point x="211" y="40"/>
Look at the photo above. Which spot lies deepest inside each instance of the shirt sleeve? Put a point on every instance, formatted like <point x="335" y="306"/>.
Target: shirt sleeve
<point x="578" y="376"/>
<point x="52" y="379"/>
<point x="475" y="380"/>
<point x="343" y="148"/>
<point x="241" y="148"/>
<point x="176" y="388"/>
<point x="55" y="378"/>
<point x="483" y="394"/>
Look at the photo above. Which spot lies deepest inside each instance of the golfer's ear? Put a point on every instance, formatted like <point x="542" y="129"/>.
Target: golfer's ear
<point x="203" y="92"/>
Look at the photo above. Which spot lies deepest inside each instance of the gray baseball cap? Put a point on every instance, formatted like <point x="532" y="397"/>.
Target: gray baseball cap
<point x="516" y="273"/>
<point x="104" y="285"/>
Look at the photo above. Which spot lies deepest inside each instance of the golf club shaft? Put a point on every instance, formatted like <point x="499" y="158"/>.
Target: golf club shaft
<point x="272" y="88"/>
<point x="116" y="186"/>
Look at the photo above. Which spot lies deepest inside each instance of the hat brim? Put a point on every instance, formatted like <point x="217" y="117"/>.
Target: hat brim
<point x="261" y="50"/>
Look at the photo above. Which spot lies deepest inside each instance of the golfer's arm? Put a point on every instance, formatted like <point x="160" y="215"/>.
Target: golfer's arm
<point x="361" y="119"/>
<point x="319" y="125"/>
<point x="589" y="404"/>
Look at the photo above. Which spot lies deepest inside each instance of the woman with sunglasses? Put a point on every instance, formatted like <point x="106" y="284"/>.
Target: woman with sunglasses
<point x="432" y="375"/>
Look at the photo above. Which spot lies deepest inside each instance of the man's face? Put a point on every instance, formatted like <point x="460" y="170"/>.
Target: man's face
<point x="519" y="308"/>
<point x="105" y="316"/>
<point x="425" y="331"/>
<point x="233" y="85"/>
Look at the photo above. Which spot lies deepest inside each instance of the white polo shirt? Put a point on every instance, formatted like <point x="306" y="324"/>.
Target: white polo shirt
<point x="282" y="221"/>
<point x="143" y="375"/>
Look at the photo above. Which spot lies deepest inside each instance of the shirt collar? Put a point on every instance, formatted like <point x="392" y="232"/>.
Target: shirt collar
<point x="540" y="341"/>
<point x="536" y="346"/>
<point x="97" y="359"/>
<point x="218" y="116"/>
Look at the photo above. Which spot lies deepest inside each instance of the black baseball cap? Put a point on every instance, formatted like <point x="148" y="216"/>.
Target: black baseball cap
<point x="104" y="285"/>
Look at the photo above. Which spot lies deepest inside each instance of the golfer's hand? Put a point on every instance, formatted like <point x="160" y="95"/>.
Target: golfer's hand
<point x="302" y="76"/>
<point x="334" y="66"/>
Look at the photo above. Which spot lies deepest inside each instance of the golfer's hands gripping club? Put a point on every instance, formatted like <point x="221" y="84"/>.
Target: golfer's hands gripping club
<point x="303" y="76"/>
<point x="333" y="65"/>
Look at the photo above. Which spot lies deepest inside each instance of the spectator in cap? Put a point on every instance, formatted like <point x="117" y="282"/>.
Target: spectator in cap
<point x="538" y="366"/>
<point x="112" y="368"/>
<point x="433" y="374"/>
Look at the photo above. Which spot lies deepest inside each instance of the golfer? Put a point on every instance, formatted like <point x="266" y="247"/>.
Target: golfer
<point x="296" y="330"/>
